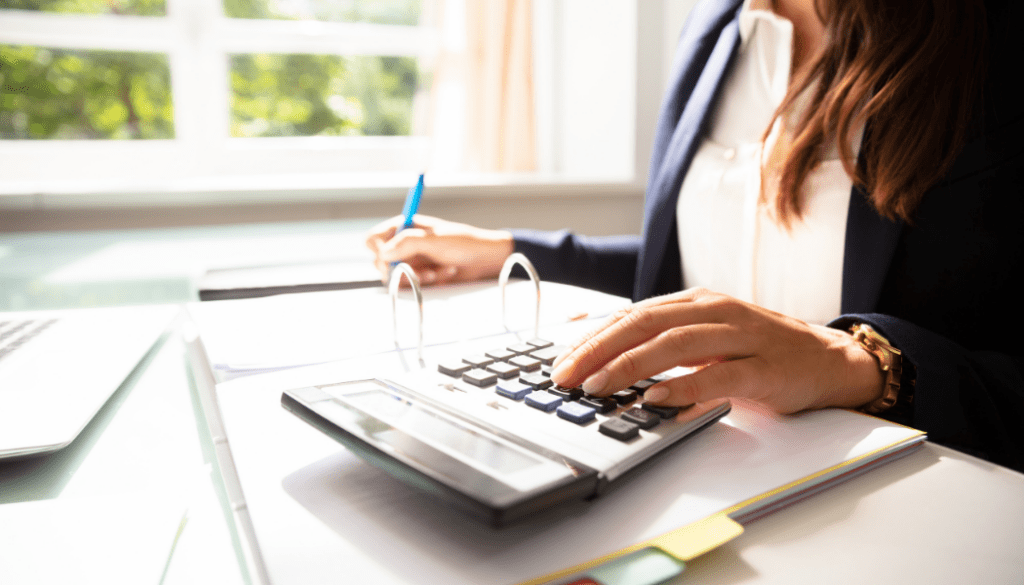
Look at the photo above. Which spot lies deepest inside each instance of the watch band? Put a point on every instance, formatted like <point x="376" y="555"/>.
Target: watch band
<point x="889" y="359"/>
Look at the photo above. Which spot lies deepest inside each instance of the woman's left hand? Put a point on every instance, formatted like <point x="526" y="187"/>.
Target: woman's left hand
<point x="738" y="350"/>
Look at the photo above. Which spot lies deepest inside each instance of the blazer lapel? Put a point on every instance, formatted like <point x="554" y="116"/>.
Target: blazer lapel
<point x="870" y="245"/>
<point x="683" y="138"/>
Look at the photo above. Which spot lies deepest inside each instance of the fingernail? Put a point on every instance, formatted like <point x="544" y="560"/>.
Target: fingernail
<point x="596" y="383"/>
<point x="560" y="370"/>
<point x="656" y="394"/>
<point x="450" y="271"/>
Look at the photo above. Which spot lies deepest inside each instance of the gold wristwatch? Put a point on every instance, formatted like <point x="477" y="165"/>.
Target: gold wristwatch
<point x="890" y="360"/>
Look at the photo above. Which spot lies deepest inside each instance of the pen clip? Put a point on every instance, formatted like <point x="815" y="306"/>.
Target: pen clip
<point x="414" y="283"/>
<point x="506" y="271"/>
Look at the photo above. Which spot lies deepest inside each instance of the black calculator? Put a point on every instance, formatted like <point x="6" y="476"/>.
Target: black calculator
<point x="488" y="432"/>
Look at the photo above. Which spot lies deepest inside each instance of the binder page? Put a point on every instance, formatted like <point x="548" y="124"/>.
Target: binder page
<point x="321" y="513"/>
<point x="261" y="334"/>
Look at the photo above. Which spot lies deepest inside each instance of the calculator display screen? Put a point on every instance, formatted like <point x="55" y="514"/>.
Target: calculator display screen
<point x="438" y="429"/>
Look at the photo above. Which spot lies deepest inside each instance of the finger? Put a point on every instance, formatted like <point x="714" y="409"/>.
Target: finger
<point x="382" y="232"/>
<point x="630" y="328"/>
<point x="690" y="345"/>
<point x="404" y="245"/>
<point x="737" y="378"/>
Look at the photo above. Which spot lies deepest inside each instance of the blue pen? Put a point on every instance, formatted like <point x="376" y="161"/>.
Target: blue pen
<point x="412" y="205"/>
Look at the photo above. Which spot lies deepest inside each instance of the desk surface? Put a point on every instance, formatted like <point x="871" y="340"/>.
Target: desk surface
<point x="936" y="516"/>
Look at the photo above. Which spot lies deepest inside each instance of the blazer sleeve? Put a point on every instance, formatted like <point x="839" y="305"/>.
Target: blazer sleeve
<point x="606" y="264"/>
<point x="972" y="401"/>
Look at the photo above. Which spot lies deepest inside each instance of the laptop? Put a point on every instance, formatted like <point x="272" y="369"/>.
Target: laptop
<point x="58" y="368"/>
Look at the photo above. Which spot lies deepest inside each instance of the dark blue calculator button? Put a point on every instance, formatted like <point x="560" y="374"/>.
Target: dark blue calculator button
<point x="512" y="389"/>
<point x="576" y="412"/>
<point x="543" y="400"/>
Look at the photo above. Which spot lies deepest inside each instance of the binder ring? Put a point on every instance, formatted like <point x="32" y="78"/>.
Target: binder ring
<point x="506" y="270"/>
<point x="414" y="282"/>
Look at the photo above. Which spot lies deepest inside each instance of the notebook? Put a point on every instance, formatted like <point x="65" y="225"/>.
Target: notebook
<point x="58" y="368"/>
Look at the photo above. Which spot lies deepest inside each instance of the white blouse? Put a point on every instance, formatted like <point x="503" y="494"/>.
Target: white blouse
<point x="730" y="243"/>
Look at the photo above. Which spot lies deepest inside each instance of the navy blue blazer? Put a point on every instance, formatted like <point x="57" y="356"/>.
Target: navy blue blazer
<point x="940" y="288"/>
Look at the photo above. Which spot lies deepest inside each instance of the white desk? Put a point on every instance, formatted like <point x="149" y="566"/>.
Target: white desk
<point x="936" y="516"/>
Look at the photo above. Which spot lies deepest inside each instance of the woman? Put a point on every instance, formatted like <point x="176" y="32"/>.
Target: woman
<point x="820" y="166"/>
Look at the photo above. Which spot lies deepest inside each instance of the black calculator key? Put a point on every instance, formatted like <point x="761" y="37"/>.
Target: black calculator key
<point x="566" y="394"/>
<point x="624" y="396"/>
<point x="521" y="348"/>
<point x="453" y="368"/>
<point x="644" y="418"/>
<point x="536" y="381"/>
<point x="480" y="378"/>
<point x="620" y="429"/>
<point x="503" y="370"/>
<point x="576" y="412"/>
<point x="548" y="354"/>
<point x="525" y="363"/>
<point x="500" y="355"/>
<point x="603" y="405"/>
<point x="478" y="361"/>
<point x="543" y="401"/>
<point x="641" y="386"/>
<point x="539" y="343"/>
<point x="662" y="411"/>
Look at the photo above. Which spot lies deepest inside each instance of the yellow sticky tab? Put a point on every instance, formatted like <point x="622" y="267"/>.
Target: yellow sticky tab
<point x="695" y="539"/>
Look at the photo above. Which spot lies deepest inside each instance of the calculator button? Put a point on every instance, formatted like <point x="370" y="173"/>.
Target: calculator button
<point x="454" y="369"/>
<point x="478" y="361"/>
<point x="603" y="405"/>
<point x="539" y="343"/>
<point x="500" y="355"/>
<point x="480" y="378"/>
<point x="566" y="393"/>
<point x="662" y="411"/>
<point x="548" y="354"/>
<point x="525" y="363"/>
<point x="620" y="429"/>
<point x="543" y="401"/>
<point x="546" y="370"/>
<point x="503" y="370"/>
<point x="512" y="389"/>
<point x="641" y="386"/>
<point x="646" y="419"/>
<point x="536" y="381"/>
<point x="521" y="348"/>
<point x="576" y="412"/>
<point x="624" y="396"/>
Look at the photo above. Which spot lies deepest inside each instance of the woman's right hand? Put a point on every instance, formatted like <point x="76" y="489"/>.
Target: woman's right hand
<point x="439" y="251"/>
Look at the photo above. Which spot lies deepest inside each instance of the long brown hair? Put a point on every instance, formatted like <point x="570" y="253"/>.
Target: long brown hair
<point x="911" y="72"/>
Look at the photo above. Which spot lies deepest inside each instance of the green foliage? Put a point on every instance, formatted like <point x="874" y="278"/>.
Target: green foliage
<point x="325" y="95"/>
<point x="50" y="93"/>
<point x="404" y="12"/>
<point x="124" y="7"/>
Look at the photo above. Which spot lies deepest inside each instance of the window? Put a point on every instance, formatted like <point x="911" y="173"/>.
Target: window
<point x="122" y="90"/>
<point x="207" y="96"/>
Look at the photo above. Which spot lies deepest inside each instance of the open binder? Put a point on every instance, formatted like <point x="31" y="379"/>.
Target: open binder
<point x="307" y="510"/>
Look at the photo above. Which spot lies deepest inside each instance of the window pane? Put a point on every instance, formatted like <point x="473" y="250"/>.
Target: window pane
<point x="325" y="95"/>
<point x="63" y="94"/>
<point x="405" y="12"/>
<point x="123" y="7"/>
